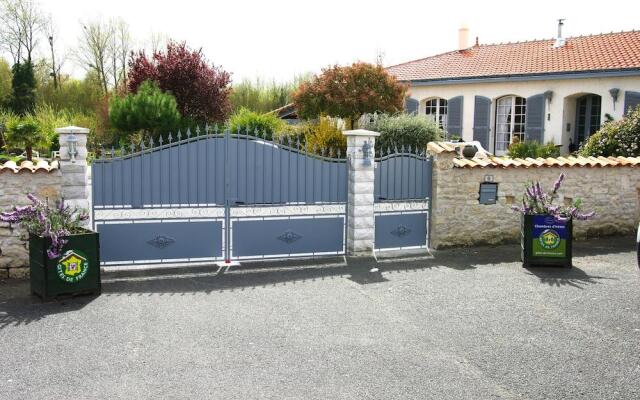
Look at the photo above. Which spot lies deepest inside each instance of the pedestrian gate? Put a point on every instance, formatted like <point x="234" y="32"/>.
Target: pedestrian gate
<point x="213" y="196"/>
<point x="402" y="190"/>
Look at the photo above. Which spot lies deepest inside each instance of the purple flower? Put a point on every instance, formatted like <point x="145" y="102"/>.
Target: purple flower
<point x="557" y="183"/>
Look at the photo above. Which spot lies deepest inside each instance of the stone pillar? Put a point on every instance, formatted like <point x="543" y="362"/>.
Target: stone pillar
<point x="75" y="172"/>
<point x="360" y="218"/>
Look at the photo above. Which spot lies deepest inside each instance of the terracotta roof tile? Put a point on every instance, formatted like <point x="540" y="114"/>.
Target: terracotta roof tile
<point x="41" y="165"/>
<point x="506" y="162"/>
<point x="609" y="51"/>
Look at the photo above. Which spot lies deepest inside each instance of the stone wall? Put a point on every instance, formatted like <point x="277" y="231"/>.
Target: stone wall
<point x="459" y="220"/>
<point x="14" y="260"/>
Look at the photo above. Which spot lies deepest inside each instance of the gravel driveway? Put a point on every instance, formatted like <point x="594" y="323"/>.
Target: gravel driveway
<point x="466" y="324"/>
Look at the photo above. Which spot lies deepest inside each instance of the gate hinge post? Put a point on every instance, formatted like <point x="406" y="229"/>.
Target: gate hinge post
<point x="360" y="214"/>
<point x="74" y="168"/>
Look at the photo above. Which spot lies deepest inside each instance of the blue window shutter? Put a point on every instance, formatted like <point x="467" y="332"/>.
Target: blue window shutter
<point x="482" y="120"/>
<point x="631" y="101"/>
<point x="534" y="118"/>
<point x="454" y="116"/>
<point x="411" y="106"/>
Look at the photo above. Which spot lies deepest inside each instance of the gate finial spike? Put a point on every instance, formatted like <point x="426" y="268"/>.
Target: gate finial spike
<point x="256" y="132"/>
<point x="103" y="154"/>
<point x="215" y="129"/>
<point x="151" y="142"/>
<point x="142" y="147"/>
<point x="288" y="141"/>
<point x="197" y="130"/>
<point x="339" y="153"/>
<point x="402" y="149"/>
<point x="113" y="152"/>
<point x="188" y="133"/>
<point x="323" y="151"/>
<point x="239" y="130"/>
<point x="132" y="147"/>
<point x="179" y="135"/>
<point x="123" y="150"/>
<point x="160" y="140"/>
<point x="206" y="128"/>
<point x="330" y="152"/>
<point x="388" y="150"/>
<point x="170" y="138"/>
<point x="409" y="148"/>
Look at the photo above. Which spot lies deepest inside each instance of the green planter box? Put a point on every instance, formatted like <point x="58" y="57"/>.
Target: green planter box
<point x="545" y="241"/>
<point x="76" y="271"/>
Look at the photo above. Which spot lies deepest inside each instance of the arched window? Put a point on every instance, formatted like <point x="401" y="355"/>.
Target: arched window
<point x="510" y="121"/>
<point x="436" y="109"/>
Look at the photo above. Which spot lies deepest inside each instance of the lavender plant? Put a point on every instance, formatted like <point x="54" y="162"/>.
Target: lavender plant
<point x="40" y="219"/>
<point x="536" y="201"/>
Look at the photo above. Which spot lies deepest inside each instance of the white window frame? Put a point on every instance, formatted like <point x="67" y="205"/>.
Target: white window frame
<point x="514" y="129"/>
<point x="438" y="117"/>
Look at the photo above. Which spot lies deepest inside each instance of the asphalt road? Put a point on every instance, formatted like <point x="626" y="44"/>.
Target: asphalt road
<point x="467" y="324"/>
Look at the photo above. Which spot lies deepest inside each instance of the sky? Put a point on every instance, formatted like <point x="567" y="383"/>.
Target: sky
<point x="278" y="39"/>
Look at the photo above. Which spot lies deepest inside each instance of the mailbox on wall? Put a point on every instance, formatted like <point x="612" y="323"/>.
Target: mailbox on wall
<point x="488" y="193"/>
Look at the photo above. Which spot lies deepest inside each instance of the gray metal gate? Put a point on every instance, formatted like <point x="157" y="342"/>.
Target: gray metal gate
<point x="402" y="190"/>
<point x="218" y="196"/>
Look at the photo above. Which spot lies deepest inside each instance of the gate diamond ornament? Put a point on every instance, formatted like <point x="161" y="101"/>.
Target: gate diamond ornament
<point x="289" y="237"/>
<point x="161" y="241"/>
<point x="401" y="231"/>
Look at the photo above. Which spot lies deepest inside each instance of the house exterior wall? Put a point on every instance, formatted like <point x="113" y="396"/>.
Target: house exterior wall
<point x="560" y="111"/>
<point x="458" y="218"/>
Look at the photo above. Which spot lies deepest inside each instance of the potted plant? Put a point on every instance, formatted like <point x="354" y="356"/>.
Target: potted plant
<point x="63" y="256"/>
<point x="547" y="229"/>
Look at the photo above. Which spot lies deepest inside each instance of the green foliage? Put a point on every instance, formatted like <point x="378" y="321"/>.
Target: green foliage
<point x="261" y="96"/>
<point x="403" y="129"/>
<point x="23" y="89"/>
<point x="531" y="149"/>
<point x="350" y="92"/>
<point x="245" y="120"/>
<point x="25" y="132"/>
<point x="5" y="82"/>
<point x="149" y="111"/>
<point x="616" y="138"/>
<point x="72" y="94"/>
<point x="325" y="134"/>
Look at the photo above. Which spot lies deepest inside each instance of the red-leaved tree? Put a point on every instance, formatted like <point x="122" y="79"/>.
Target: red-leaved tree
<point x="201" y="90"/>
<point x="349" y="92"/>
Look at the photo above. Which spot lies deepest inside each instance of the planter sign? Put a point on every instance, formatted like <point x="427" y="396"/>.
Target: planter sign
<point x="72" y="266"/>
<point x="549" y="237"/>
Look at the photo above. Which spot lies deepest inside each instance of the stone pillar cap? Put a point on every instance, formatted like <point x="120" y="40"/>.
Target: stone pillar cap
<point x="361" y="132"/>
<point x="72" y="129"/>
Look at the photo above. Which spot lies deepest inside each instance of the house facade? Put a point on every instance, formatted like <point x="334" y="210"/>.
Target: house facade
<point x="559" y="90"/>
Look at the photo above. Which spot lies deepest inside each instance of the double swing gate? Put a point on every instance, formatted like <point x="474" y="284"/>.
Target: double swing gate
<point x="216" y="196"/>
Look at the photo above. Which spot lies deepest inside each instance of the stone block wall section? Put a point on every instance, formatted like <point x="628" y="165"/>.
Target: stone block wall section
<point x="14" y="187"/>
<point x="458" y="219"/>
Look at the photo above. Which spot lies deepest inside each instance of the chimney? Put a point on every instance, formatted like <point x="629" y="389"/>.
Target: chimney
<point x="560" y="41"/>
<point x="463" y="38"/>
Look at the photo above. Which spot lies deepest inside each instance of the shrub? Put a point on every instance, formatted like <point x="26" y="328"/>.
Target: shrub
<point x="531" y="149"/>
<point x="324" y="135"/>
<point x="245" y="120"/>
<point x="403" y="130"/>
<point x="148" y="111"/>
<point x="616" y="138"/>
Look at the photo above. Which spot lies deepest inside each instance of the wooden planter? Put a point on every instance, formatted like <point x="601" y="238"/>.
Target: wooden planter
<point x="76" y="271"/>
<point x="544" y="241"/>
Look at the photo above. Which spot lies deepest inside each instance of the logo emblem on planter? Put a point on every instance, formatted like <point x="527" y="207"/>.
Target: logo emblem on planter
<point x="549" y="239"/>
<point x="72" y="266"/>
